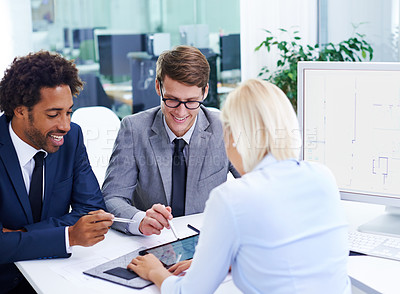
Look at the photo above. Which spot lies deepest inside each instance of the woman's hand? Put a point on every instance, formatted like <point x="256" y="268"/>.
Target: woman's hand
<point x="149" y="268"/>
<point x="180" y="267"/>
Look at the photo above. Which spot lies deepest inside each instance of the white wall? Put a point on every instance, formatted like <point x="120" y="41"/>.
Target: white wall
<point x="15" y="31"/>
<point x="256" y="15"/>
<point x="377" y="19"/>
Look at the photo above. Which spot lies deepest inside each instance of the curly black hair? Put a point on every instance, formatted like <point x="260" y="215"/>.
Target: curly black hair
<point x="25" y="77"/>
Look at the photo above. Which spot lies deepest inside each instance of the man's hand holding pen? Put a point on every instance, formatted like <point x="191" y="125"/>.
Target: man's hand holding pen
<point x="155" y="220"/>
<point x="90" y="229"/>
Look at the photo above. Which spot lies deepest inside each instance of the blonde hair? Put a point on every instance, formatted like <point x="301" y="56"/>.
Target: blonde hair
<point x="261" y="120"/>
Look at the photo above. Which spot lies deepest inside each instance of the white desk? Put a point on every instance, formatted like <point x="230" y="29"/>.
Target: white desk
<point x="65" y="275"/>
<point x="368" y="274"/>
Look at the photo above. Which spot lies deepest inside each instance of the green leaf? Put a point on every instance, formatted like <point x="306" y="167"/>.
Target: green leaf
<point x="291" y="52"/>
<point x="259" y="46"/>
<point x="364" y="54"/>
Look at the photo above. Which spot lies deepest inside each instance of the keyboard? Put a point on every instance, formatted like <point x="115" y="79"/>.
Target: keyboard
<point x="375" y="245"/>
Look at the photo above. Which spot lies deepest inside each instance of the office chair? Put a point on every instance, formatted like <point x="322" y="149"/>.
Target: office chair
<point x="100" y="127"/>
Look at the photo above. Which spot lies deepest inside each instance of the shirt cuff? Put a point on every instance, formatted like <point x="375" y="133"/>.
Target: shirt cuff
<point x="67" y="247"/>
<point x="133" y="228"/>
<point x="169" y="285"/>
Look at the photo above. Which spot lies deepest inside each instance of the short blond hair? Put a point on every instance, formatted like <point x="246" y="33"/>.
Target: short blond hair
<point x="261" y="120"/>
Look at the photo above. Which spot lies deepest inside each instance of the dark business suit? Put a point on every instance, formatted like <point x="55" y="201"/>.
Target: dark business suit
<point x="69" y="181"/>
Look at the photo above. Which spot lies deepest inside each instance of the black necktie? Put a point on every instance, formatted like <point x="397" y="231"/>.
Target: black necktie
<point x="36" y="188"/>
<point x="178" y="179"/>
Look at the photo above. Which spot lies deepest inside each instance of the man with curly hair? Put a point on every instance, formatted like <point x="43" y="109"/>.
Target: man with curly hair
<point x="46" y="182"/>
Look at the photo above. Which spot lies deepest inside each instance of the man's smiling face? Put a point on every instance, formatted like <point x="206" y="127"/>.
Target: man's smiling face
<point x="46" y="124"/>
<point x="180" y="119"/>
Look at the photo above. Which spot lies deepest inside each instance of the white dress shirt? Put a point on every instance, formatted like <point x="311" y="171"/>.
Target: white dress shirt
<point x="133" y="228"/>
<point x="25" y="153"/>
<point x="280" y="227"/>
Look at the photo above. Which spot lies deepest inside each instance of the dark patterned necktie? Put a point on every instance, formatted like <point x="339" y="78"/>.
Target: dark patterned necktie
<point x="178" y="179"/>
<point x="36" y="188"/>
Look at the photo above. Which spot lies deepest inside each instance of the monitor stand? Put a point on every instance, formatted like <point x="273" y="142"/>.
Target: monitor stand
<point x="386" y="224"/>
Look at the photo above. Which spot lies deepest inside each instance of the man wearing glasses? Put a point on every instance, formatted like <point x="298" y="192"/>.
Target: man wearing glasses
<point x="167" y="159"/>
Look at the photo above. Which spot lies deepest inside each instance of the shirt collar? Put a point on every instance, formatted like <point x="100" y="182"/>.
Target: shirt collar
<point x="25" y="152"/>
<point x="269" y="159"/>
<point x="186" y="137"/>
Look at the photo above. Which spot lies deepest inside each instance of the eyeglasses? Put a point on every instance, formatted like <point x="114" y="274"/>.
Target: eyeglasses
<point x="175" y="103"/>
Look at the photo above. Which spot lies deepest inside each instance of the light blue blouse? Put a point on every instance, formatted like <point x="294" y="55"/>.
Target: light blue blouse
<point x="281" y="228"/>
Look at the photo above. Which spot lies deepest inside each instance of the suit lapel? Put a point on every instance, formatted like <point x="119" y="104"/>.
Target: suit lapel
<point x="197" y="152"/>
<point x="11" y="163"/>
<point x="162" y="153"/>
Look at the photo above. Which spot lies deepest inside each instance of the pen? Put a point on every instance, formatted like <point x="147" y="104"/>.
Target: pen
<point x="173" y="229"/>
<point x="193" y="228"/>
<point x="116" y="219"/>
<point x="123" y="220"/>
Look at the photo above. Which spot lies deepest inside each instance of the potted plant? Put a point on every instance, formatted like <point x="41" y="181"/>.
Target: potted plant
<point x="291" y="52"/>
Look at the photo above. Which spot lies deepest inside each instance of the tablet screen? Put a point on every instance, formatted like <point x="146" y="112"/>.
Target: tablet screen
<point x="175" y="251"/>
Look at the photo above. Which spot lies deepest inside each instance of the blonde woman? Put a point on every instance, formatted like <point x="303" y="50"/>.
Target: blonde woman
<point x="280" y="226"/>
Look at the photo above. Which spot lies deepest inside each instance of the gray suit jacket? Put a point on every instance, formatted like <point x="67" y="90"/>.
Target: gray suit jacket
<point x="140" y="169"/>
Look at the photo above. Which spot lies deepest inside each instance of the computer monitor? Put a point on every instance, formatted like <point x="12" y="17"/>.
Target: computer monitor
<point x="230" y="51"/>
<point x="80" y="35"/>
<point x="67" y="42"/>
<point x="113" y="48"/>
<point x="349" y="114"/>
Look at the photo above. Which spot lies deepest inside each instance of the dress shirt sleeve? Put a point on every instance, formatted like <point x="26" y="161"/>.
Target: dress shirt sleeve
<point x="215" y="252"/>
<point x="67" y="247"/>
<point x="133" y="228"/>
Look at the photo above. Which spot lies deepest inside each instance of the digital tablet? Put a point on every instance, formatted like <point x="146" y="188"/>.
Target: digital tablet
<point x="173" y="252"/>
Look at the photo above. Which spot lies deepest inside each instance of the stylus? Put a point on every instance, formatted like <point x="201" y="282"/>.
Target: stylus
<point x="173" y="229"/>
<point x="118" y="219"/>
<point x="123" y="220"/>
<point x="193" y="228"/>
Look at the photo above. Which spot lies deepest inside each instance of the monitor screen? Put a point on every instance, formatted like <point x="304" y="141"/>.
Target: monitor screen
<point x="80" y="35"/>
<point x="230" y="52"/>
<point x="349" y="113"/>
<point x="67" y="43"/>
<point x="113" y="48"/>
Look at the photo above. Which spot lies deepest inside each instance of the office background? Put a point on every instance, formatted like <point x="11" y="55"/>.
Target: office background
<point x="28" y="25"/>
<point x="67" y="26"/>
